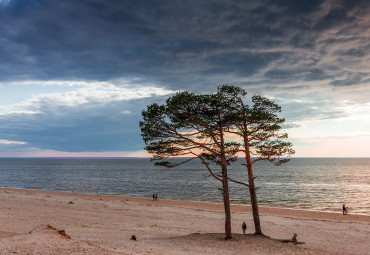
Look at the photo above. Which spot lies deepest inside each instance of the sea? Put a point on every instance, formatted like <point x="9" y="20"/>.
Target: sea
<point x="317" y="184"/>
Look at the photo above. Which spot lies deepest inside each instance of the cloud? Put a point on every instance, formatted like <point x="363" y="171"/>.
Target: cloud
<point x="178" y="44"/>
<point x="291" y="125"/>
<point x="91" y="127"/>
<point x="356" y="146"/>
<point x="4" y="2"/>
<point x="36" y="152"/>
<point x="312" y="106"/>
<point x="11" y="142"/>
<point x="83" y="70"/>
<point x="90" y="117"/>
<point x="82" y="93"/>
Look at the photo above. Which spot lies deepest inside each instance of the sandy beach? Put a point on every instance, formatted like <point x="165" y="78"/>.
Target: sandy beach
<point x="32" y="223"/>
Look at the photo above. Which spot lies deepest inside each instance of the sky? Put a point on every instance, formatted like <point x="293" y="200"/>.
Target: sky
<point x="75" y="75"/>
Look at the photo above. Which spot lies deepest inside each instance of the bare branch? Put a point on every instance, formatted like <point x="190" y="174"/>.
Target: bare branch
<point x="175" y="165"/>
<point x="238" y="182"/>
<point x="259" y="159"/>
<point x="209" y="169"/>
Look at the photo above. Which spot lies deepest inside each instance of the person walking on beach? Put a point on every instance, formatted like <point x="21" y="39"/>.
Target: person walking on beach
<point x="345" y="210"/>
<point x="244" y="227"/>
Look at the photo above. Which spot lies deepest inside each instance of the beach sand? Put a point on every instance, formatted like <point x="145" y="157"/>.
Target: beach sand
<point x="104" y="225"/>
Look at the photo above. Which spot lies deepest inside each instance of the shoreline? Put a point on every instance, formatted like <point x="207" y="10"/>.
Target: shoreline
<point x="104" y="225"/>
<point x="318" y="192"/>
<point x="237" y="207"/>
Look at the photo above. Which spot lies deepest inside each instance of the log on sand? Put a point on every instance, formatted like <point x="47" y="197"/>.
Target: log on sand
<point x="290" y="240"/>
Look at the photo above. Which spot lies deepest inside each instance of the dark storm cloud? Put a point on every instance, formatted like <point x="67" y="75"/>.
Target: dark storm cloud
<point x="168" y="41"/>
<point x="269" y="46"/>
<point x="240" y="64"/>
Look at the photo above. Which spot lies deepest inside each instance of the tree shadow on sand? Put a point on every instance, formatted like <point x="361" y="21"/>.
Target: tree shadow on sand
<point x="240" y="244"/>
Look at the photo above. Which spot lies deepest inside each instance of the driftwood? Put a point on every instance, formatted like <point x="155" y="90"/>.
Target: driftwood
<point x="290" y="240"/>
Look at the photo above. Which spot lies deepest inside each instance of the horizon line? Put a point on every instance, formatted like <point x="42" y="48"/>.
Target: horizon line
<point x="107" y="157"/>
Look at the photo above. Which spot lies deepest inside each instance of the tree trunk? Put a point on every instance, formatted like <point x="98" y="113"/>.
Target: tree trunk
<point x="252" y="189"/>
<point x="225" y="183"/>
<point x="225" y="193"/>
<point x="254" y="203"/>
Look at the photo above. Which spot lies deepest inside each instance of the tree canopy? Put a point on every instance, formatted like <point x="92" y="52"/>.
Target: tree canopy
<point x="257" y="129"/>
<point x="193" y="126"/>
<point x="217" y="128"/>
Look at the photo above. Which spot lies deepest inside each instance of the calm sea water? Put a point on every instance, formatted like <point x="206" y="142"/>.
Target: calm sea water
<point x="320" y="184"/>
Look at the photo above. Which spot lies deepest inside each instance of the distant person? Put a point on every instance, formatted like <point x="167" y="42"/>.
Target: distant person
<point x="244" y="227"/>
<point x="156" y="196"/>
<point x="345" y="209"/>
<point x="153" y="196"/>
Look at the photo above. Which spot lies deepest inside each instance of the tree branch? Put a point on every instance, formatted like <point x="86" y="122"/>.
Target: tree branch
<point x="237" y="182"/>
<point x="209" y="169"/>
<point x="174" y="165"/>
<point x="259" y="159"/>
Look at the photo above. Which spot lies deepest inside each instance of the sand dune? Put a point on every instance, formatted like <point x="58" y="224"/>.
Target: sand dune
<point x="46" y="240"/>
<point x="105" y="224"/>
